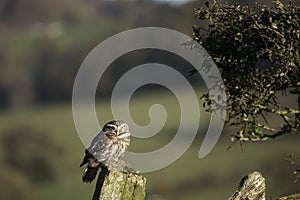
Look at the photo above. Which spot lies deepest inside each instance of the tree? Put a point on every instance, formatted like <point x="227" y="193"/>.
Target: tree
<point x="257" y="51"/>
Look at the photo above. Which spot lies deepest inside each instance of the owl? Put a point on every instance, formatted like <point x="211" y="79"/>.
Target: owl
<point x="106" y="149"/>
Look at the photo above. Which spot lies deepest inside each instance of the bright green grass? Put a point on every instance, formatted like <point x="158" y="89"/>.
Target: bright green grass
<point x="214" y="177"/>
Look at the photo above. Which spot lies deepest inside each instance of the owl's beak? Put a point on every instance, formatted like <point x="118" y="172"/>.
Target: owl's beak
<point x="118" y="130"/>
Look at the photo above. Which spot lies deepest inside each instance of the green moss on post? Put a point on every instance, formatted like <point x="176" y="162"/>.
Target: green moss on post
<point x="118" y="185"/>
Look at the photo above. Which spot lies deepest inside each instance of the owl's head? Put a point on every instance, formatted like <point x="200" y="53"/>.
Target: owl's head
<point x="116" y="128"/>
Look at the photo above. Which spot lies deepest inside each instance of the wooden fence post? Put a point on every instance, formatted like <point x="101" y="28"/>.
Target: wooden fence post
<point x="251" y="187"/>
<point x="116" y="185"/>
<point x="291" y="197"/>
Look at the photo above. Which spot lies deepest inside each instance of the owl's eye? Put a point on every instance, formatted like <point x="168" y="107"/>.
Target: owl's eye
<point x="109" y="127"/>
<point x="124" y="128"/>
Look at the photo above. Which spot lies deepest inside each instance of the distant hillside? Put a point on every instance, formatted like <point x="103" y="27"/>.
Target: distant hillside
<point x="44" y="42"/>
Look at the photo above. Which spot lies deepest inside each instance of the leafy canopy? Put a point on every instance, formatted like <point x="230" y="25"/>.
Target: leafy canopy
<point x="257" y="51"/>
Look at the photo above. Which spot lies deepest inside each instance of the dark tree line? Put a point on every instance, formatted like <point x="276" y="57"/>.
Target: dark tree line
<point x="43" y="43"/>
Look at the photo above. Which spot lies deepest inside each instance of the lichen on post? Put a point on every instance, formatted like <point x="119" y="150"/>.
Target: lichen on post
<point x="251" y="187"/>
<point x="118" y="185"/>
<point x="291" y="197"/>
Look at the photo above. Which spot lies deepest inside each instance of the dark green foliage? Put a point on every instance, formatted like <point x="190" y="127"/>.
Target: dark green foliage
<point x="32" y="152"/>
<point x="257" y="51"/>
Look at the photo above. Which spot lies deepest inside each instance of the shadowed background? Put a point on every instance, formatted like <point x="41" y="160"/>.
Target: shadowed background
<point x="42" y="46"/>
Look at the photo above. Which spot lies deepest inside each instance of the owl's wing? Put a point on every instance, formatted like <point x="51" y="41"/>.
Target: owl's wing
<point x="88" y="156"/>
<point x="92" y="149"/>
<point x="99" y="147"/>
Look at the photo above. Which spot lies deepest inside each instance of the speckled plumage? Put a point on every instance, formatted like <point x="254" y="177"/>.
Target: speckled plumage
<point x="106" y="148"/>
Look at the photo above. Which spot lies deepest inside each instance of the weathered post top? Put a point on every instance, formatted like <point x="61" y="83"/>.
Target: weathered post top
<point x="251" y="187"/>
<point x="117" y="185"/>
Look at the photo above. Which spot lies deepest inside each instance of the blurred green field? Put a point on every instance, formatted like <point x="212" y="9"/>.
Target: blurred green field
<point x="214" y="177"/>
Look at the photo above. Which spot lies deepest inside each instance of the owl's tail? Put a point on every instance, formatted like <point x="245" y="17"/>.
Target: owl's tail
<point x="90" y="174"/>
